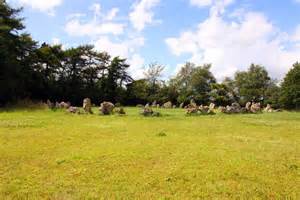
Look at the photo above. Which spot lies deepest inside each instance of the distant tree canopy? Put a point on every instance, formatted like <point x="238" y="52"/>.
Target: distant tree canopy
<point x="290" y="88"/>
<point x="252" y="84"/>
<point x="49" y="72"/>
<point x="41" y="72"/>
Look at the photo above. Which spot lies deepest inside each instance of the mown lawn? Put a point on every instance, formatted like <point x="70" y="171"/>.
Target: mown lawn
<point x="54" y="155"/>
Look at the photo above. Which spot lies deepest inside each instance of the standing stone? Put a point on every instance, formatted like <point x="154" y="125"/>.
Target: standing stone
<point x="64" y="105"/>
<point x="106" y="108"/>
<point x="269" y="108"/>
<point x="212" y="106"/>
<point x="248" y="106"/>
<point x="191" y="110"/>
<point x="147" y="111"/>
<point x="120" y="111"/>
<point x="234" y="108"/>
<point x="154" y="104"/>
<point x="73" y="110"/>
<point x="222" y="109"/>
<point x="168" y="104"/>
<point x="181" y="105"/>
<point x="255" y="108"/>
<point x="50" y="104"/>
<point x="87" y="105"/>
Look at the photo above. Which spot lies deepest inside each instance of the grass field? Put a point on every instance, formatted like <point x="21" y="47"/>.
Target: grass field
<point x="54" y="155"/>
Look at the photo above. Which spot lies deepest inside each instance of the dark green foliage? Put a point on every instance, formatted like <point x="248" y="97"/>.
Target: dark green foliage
<point x="221" y="94"/>
<point x="15" y="52"/>
<point x="290" y="88"/>
<point x="49" y="72"/>
<point x="252" y="84"/>
<point x="137" y="92"/>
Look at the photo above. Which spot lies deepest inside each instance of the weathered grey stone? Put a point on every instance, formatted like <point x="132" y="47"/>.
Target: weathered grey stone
<point x="203" y="109"/>
<point x="269" y="108"/>
<point x="192" y="110"/>
<point x="50" y="104"/>
<point x="168" y="104"/>
<point x="255" y="108"/>
<point x="120" y="111"/>
<point x="64" y="105"/>
<point x="233" y="109"/>
<point x="73" y="110"/>
<point x="212" y="106"/>
<point x="87" y="105"/>
<point x="181" y="105"/>
<point x="248" y="106"/>
<point x="222" y="109"/>
<point x="207" y="110"/>
<point x="106" y="108"/>
<point x="154" y="104"/>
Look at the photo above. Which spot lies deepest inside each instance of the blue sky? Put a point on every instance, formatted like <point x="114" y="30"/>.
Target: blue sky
<point x="229" y="34"/>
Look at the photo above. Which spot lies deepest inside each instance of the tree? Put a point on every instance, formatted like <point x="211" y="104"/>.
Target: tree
<point x="221" y="94"/>
<point x="272" y="94"/>
<point x="47" y="63"/>
<point x="117" y="77"/>
<point x="182" y="82"/>
<point x="137" y="92"/>
<point x="154" y="72"/>
<point x="14" y="49"/>
<point x="201" y="81"/>
<point x="252" y="84"/>
<point x="153" y="76"/>
<point x="290" y="88"/>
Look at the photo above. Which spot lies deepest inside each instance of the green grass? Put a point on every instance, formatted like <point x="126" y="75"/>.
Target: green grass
<point x="54" y="155"/>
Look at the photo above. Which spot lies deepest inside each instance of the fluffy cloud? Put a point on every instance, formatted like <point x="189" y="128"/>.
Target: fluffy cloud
<point x="43" y="6"/>
<point x="233" y="45"/>
<point x="107" y="33"/>
<point x="101" y="24"/>
<point x="125" y="49"/>
<point x="76" y="28"/>
<point x="217" y="6"/>
<point x="142" y="14"/>
<point x="201" y="3"/>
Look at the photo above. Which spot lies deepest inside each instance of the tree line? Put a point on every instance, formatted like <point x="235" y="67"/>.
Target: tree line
<point x="42" y="72"/>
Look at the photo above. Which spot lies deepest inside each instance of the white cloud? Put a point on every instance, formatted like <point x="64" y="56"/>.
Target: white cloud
<point x="125" y="49"/>
<point x="56" y="41"/>
<point x="142" y="14"/>
<point x="111" y="14"/>
<point x="136" y="66"/>
<point x="201" y="3"/>
<point x="75" y="27"/>
<point x="101" y="24"/>
<point x="235" y="44"/>
<point x="47" y="6"/>
<point x="216" y="6"/>
<point x="107" y="34"/>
